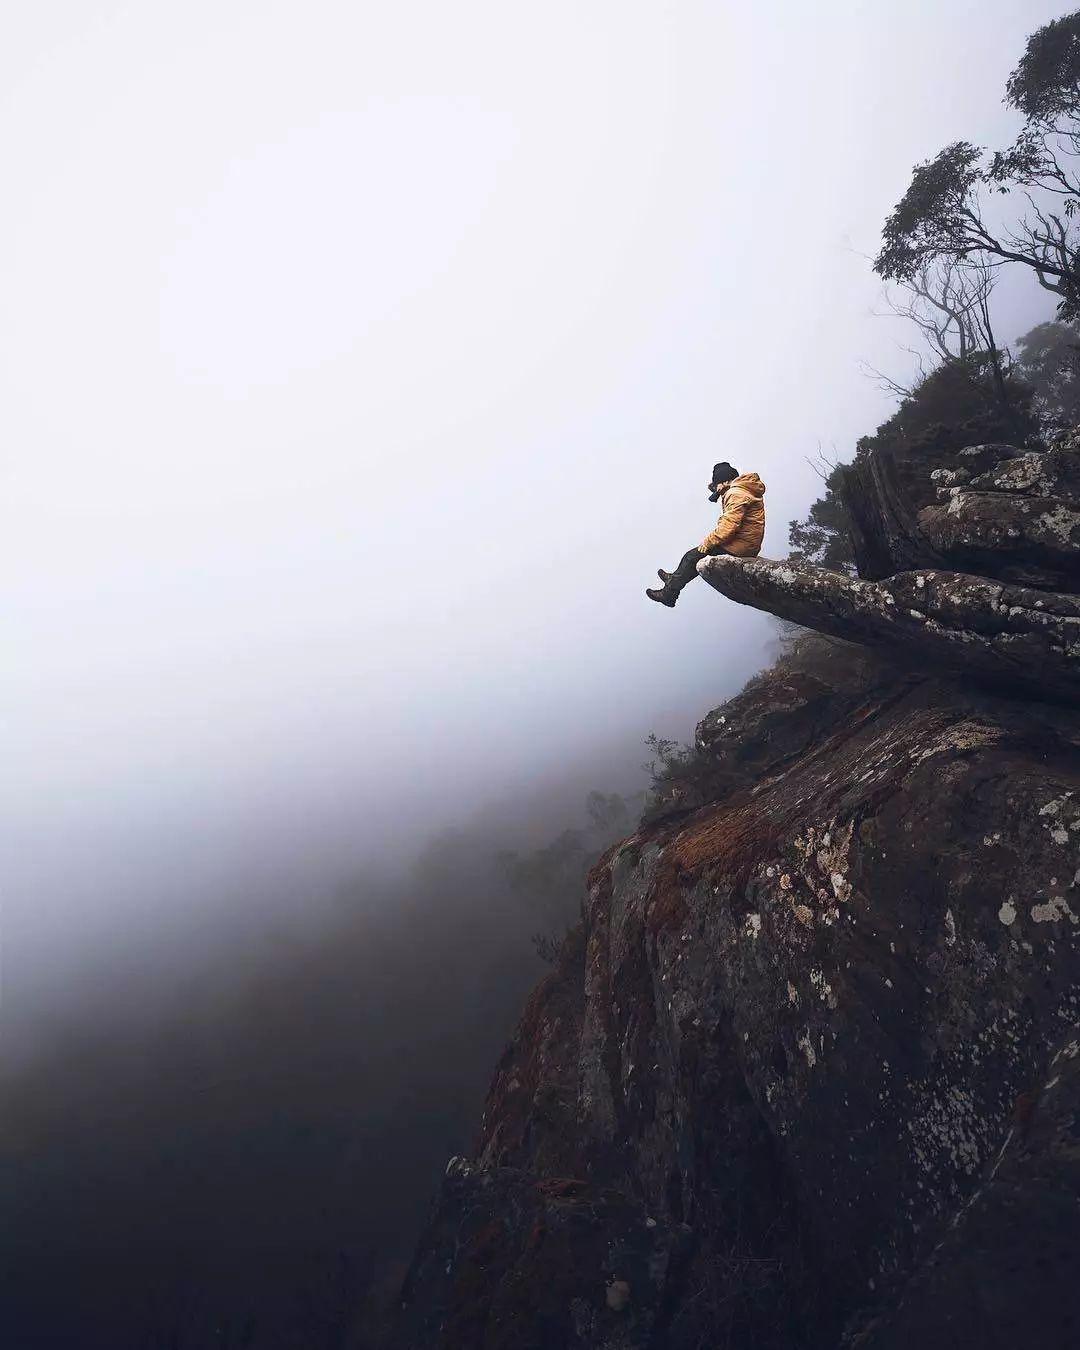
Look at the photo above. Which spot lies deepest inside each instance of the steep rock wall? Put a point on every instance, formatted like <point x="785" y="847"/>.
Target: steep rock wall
<point x="802" y="1029"/>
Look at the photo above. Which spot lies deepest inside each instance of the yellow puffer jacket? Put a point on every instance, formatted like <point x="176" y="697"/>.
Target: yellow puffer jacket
<point x="741" y="528"/>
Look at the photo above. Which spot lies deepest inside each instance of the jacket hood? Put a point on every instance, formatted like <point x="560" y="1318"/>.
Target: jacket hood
<point x="749" y="482"/>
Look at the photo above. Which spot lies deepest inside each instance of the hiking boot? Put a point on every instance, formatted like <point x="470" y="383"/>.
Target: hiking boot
<point x="665" y="577"/>
<point x="661" y="596"/>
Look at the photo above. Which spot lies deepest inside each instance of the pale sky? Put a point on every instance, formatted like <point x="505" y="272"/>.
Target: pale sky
<point x="359" y="363"/>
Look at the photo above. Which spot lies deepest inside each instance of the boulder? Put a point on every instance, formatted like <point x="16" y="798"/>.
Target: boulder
<point x="992" y="509"/>
<point x="1055" y="473"/>
<point x="1012" y="536"/>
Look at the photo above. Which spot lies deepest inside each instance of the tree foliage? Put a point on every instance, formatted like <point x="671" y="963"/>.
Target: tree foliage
<point x="933" y="218"/>
<point x="955" y="405"/>
<point x="822" y="538"/>
<point x="1048" y="358"/>
<point x="1045" y="86"/>
<point x="943" y="214"/>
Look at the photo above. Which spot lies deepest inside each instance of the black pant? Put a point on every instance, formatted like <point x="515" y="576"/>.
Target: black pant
<point x="687" y="569"/>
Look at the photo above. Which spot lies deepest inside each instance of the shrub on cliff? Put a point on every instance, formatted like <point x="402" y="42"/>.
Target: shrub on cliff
<point x="955" y="405"/>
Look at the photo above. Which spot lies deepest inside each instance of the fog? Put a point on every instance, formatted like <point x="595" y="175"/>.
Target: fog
<point x="358" y="366"/>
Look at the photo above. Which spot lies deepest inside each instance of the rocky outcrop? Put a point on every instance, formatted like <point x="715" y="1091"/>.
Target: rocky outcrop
<point x="986" y="582"/>
<point x="1031" y="540"/>
<point x="1015" y="635"/>
<point x="1019" y="521"/>
<point x="811" y="1049"/>
<point x="808" y="1074"/>
<point x="996" y="510"/>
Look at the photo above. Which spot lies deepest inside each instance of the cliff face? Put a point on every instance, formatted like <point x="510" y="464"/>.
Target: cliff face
<point x="809" y="1072"/>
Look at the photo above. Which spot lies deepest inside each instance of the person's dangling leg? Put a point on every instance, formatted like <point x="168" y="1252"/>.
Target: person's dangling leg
<point x="685" y="572"/>
<point x="675" y="581"/>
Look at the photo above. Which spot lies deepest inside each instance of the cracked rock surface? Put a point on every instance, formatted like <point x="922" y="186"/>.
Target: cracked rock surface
<point x="1034" y="540"/>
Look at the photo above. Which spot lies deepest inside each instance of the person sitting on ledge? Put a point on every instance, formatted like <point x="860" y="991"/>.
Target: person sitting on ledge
<point x="739" y="531"/>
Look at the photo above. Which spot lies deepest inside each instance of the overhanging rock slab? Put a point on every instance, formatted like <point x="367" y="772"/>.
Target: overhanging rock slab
<point x="1015" y="634"/>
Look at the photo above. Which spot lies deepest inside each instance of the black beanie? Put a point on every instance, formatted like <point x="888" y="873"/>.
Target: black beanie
<point x="723" y="472"/>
